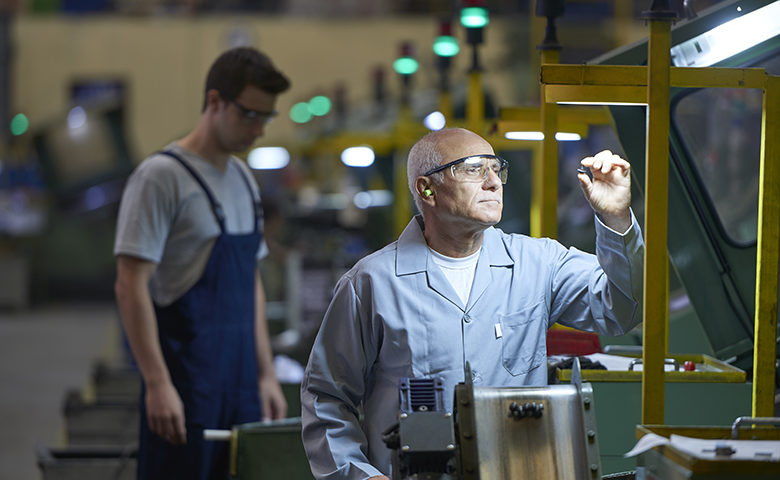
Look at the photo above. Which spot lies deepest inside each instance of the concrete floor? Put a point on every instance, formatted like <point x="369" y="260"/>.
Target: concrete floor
<point x="43" y="353"/>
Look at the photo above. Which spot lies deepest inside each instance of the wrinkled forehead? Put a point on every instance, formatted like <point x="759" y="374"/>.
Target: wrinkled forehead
<point x="462" y="143"/>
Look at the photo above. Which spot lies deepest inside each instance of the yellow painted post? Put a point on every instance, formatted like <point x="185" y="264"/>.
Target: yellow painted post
<point x="402" y="204"/>
<point x="656" y="271"/>
<point x="475" y="109"/>
<point x="445" y="107"/>
<point x="402" y="210"/>
<point x="767" y="254"/>
<point x="544" y="191"/>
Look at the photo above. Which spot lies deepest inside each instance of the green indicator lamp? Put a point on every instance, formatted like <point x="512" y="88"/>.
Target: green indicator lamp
<point x="474" y="17"/>
<point x="405" y="65"/>
<point x="19" y="124"/>
<point x="446" y="46"/>
<point x="299" y="113"/>
<point x="319" y="105"/>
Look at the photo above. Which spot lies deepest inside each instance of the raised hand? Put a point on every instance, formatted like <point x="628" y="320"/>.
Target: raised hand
<point x="609" y="192"/>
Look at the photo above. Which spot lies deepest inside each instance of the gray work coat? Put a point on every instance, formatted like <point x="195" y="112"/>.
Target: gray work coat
<point x="394" y="315"/>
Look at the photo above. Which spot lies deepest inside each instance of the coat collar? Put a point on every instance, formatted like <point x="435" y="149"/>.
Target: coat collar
<point x="412" y="255"/>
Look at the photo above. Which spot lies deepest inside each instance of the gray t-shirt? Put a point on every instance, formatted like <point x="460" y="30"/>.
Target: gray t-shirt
<point x="165" y="217"/>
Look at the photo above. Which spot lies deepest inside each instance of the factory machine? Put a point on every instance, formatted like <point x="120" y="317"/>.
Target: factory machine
<point x="524" y="432"/>
<point x="492" y="433"/>
<point x="497" y="433"/>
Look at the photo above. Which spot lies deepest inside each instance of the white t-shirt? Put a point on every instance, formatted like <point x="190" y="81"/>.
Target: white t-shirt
<point x="165" y="217"/>
<point x="459" y="271"/>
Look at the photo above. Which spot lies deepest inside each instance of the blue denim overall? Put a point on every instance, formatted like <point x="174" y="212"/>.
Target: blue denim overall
<point x="208" y="341"/>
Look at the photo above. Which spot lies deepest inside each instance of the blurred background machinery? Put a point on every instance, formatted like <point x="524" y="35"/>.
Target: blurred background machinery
<point x="89" y="88"/>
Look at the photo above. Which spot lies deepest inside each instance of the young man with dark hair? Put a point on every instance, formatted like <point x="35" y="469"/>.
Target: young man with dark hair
<point x="189" y="235"/>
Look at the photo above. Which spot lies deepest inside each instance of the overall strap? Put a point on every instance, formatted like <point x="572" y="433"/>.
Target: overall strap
<point x="216" y="207"/>
<point x="255" y="199"/>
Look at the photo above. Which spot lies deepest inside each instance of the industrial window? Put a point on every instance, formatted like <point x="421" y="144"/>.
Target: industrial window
<point x="721" y="131"/>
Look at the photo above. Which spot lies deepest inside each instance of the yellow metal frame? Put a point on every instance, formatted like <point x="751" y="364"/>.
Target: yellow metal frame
<point x="628" y="84"/>
<point x="715" y="371"/>
<point x="768" y="252"/>
<point x="475" y="103"/>
<point x="609" y="76"/>
<point x="567" y="115"/>
<point x="650" y="85"/>
<point x="544" y="194"/>
<point x="656" y="266"/>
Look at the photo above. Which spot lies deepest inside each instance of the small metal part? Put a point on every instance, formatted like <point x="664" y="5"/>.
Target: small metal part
<point x="724" y="449"/>
<point x="516" y="411"/>
<point x="586" y="171"/>
<point x="531" y="409"/>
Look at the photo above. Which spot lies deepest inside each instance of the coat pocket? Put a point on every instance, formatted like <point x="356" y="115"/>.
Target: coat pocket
<point x="523" y="340"/>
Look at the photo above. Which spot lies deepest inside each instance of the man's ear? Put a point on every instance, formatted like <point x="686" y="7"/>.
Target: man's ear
<point x="212" y="99"/>
<point x="425" y="189"/>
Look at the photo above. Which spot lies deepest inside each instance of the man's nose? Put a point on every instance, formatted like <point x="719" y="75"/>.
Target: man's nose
<point x="492" y="181"/>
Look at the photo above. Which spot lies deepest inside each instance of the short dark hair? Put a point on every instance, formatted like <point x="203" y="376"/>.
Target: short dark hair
<point x="240" y="67"/>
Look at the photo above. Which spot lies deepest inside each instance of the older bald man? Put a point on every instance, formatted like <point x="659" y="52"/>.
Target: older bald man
<point x="453" y="289"/>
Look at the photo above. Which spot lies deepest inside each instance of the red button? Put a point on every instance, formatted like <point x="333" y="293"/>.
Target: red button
<point x="689" y="366"/>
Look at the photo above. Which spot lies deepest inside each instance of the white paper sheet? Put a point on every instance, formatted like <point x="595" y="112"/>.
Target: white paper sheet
<point x="757" y="450"/>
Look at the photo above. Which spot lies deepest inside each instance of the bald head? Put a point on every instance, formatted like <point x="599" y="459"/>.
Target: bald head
<point x="440" y="147"/>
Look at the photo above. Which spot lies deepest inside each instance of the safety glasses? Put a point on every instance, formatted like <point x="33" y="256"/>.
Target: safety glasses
<point x="253" y="116"/>
<point x="475" y="168"/>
